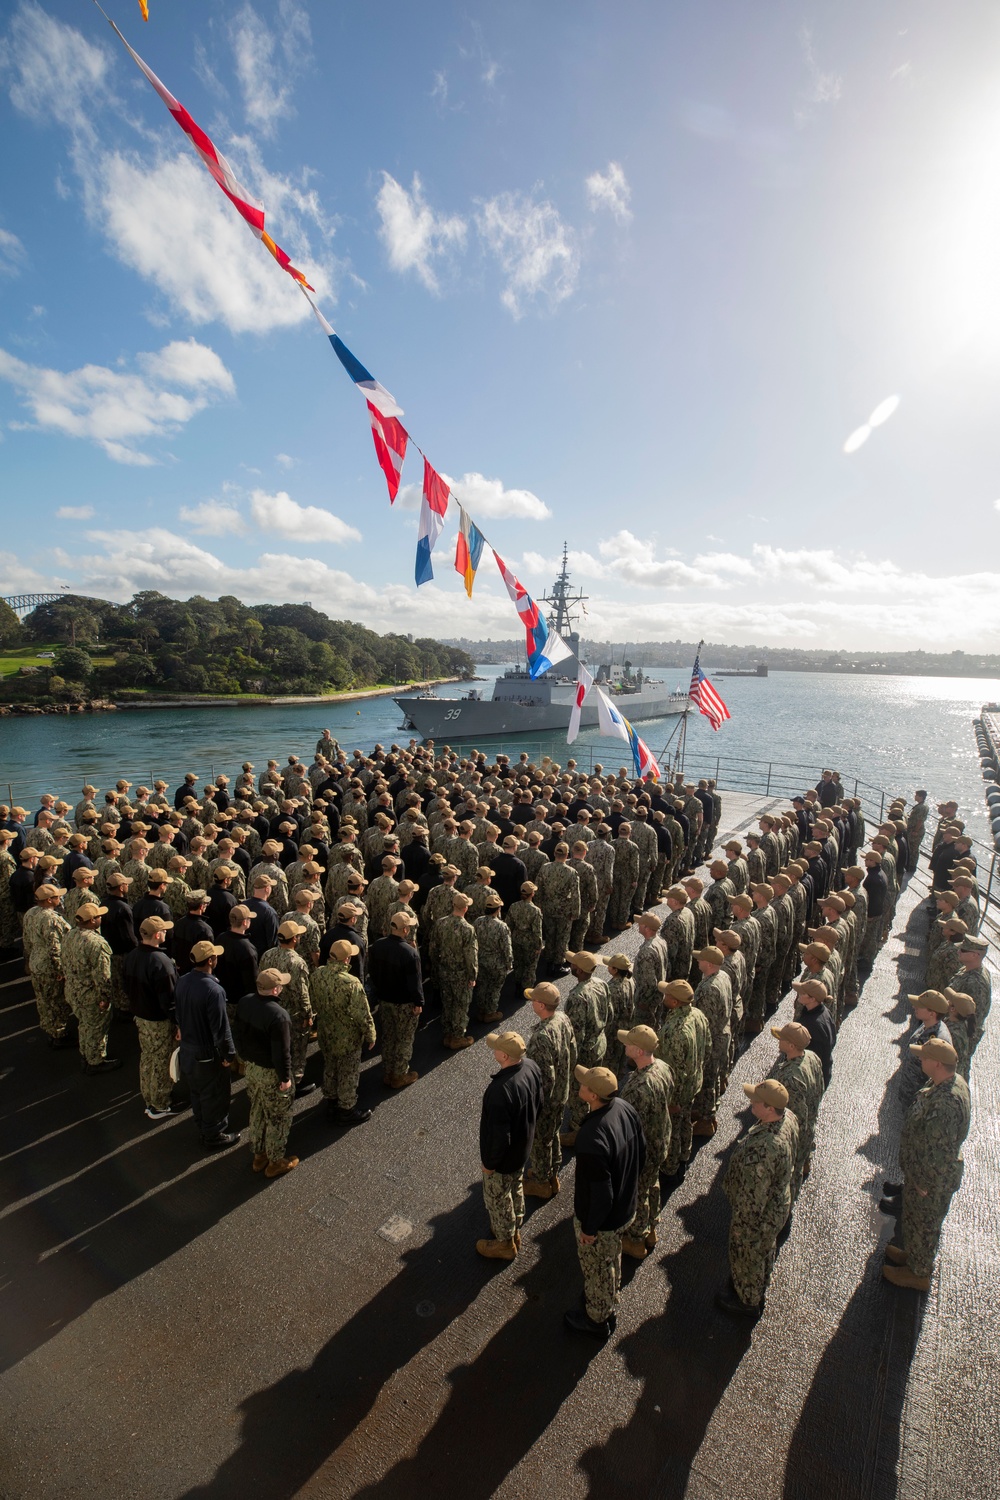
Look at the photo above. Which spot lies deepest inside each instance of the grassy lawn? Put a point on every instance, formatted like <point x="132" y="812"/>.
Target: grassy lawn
<point x="12" y="658"/>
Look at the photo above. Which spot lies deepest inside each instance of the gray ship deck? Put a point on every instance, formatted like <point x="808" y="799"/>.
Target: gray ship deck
<point x="171" y="1326"/>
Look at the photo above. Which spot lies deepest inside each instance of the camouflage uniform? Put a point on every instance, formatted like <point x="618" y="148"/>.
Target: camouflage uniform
<point x="930" y="1157"/>
<point x="678" y="934"/>
<point x="803" y="1078"/>
<point x="345" y="1026"/>
<point x="524" y="919"/>
<point x="503" y="1195"/>
<point x="767" y="922"/>
<point x="701" y="915"/>
<point x="648" y="969"/>
<point x="601" y="854"/>
<point x="977" y="984"/>
<point x="552" y="1046"/>
<point x="10" y="932"/>
<point x="587" y="876"/>
<point x="378" y="898"/>
<point x="784" y="940"/>
<point x="72" y="901"/>
<point x="587" y="1006"/>
<point x="644" y="838"/>
<point x="714" y="997"/>
<point x="455" y="956"/>
<point x="757" y="1183"/>
<point x="496" y="960"/>
<point x="559" y="899"/>
<point x="625" y="879"/>
<point x="943" y="966"/>
<point x="295" y="999"/>
<point x="534" y="861"/>
<point x="650" y="1093"/>
<point x="156" y="1043"/>
<point x="916" y="824"/>
<point x="270" y="1111"/>
<point x="739" y="876"/>
<point x="138" y="872"/>
<point x="735" y="968"/>
<point x="43" y="934"/>
<point x="439" y="903"/>
<point x="601" y="1267"/>
<point x="684" y="1042"/>
<point x="621" y="1017"/>
<point x="309" y="942"/>
<point x="86" y="963"/>
<point x="717" y="895"/>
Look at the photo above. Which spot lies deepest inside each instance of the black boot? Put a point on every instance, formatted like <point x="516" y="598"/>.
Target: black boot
<point x="353" y="1116"/>
<point x="579" y="1321"/>
<point x="729" y="1302"/>
<point x="106" y="1065"/>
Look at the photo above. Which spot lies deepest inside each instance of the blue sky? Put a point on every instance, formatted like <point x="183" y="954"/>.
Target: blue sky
<point x="637" y="275"/>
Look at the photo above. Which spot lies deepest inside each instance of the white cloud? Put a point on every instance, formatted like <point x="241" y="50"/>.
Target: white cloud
<point x="160" y="211"/>
<point x="266" y="64"/>
<point x="635" y="562"/>
<point x="412" y="232"/>
<point x="53" y="73"/>
<point x="285" y="460"/>
<point x="822" y="88"/>
<point x="213" y="518"/>
<point x="305" y="523"/>
<point x="12" y="254"/>
<point x="610" y="190"/>
<point x="535" y="249"/>
<point x="483" y="498"/>
<point x="75" y="513"/>
<point x="118" y="408"/>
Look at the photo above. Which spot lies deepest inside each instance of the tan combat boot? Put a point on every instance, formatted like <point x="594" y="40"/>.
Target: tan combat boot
<point x="635" y="1248"/>
<point x="704" y="1127"/>
<point x="281" y="1166"/>
<point x="895" y="1255"/>
<point x="567" y="1139"/>
<point x="651" y="1240"/>
<point x="535" y="1188"/>
<point x="497" y="1249"/>
<point x="903" y="1276"/>
<point x="259" y="1161"/>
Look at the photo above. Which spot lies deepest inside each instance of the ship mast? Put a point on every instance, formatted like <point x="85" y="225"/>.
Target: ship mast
<point x="563" y="602"/>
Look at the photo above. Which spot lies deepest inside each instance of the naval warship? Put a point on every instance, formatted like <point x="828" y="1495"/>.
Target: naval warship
<point x="520" y="705"/>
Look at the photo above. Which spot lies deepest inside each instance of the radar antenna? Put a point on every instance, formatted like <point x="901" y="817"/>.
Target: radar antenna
<point x="563" y="602"/>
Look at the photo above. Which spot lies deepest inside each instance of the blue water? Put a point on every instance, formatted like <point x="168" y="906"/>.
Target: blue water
<point x="892" y="732"/>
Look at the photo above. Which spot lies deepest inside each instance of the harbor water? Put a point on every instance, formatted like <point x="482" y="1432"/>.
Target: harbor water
<point x="893" y="732"/>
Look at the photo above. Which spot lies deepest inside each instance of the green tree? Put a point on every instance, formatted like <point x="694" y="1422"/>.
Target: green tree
<point x="74" y="664"/>
<point x="10" y="626"/>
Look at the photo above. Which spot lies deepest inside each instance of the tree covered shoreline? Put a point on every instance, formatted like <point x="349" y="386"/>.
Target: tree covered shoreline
<point x="219" y="646"/>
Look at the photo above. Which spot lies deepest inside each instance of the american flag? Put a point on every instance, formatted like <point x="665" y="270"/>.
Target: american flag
<point x="703" y="693"/>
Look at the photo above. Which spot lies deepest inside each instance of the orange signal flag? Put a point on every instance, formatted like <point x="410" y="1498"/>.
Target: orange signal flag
<point x="144" y="7"/>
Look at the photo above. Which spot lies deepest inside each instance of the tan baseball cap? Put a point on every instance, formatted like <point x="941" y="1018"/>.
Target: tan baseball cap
<point x="241" y="913"/>
<point x="620" y="962"/>
<point x="544" y="993"/>
<point x="343" y="951"/>
<point x="936" y="1050"/>
<point x="640" y="1036"/>
<point x="930" y="1000"/>
<point x="493" y="902"/>
<point x="600" y="1081"/>
<point x="511" y="1043"/>
<point x="814" y="988"/>
<point x="89" y="910"/>
<point x="963" y="1004"/>
<point x="269" y="979"/>
<point x="794" y="1032"/>
<point x="742" y="901"/>
<point x="676" y="989"/>
<point x="153" y="925"/>
<point x="290" y="930"/>
<point x="203" y="950"/>
<point x="815" y="950"/>
<point x="711" y="955"/>
<point x="769" y="1092"/>
<point x="725" y="937"/>
<point x="588" y="962"/>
